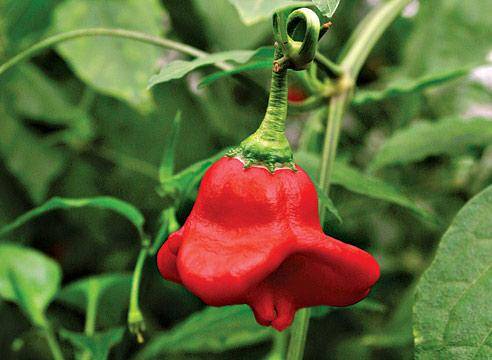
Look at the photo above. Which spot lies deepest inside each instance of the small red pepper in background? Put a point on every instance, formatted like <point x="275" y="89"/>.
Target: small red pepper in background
<point x="254" y="238"/>
<point x="296" y="94"/>
<point x="254" y="235"/>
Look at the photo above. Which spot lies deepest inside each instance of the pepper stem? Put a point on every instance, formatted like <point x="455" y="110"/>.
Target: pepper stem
<point x="268" y="146"/>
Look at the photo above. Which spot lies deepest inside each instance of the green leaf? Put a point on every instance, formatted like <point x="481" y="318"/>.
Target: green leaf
<point x="397" y="332"/>
<point x="76" y="293"/>
<point x="97" y="345"/>
<point x="35" y="96"/>
<point x="30" y="279"/>
<point x="24" y="22"/>
<point x="448" y="35"/>
<point x="110" y="291"/>
<point x="211" y="330"/>
<point x="365" y="305"/>
<point x="327" y="7"/>
<point x="167" y="225"/>
<point x="327" y="203"/>
<point x="102" y="202"/>
<point x="33" y="163"/>
<point x="402" y="86"/>
<point x="368" y="304"/>
<point x="262" y="59"/>
<point x="223" y="15"/>
<point x="253" y="11"/>
<point x="166" y="168"/>
<point x="179" y="68"/>
<point x="257" y="65"/>
<point x="359" y="183"/>
<point x="183" y="183"/>
<point x="448" y="136"/>
<point x="453" y="311"/>
<point x="116" y="67"/>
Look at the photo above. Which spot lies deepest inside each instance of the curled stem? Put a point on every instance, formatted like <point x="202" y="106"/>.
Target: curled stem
<point x="298" y="51"/>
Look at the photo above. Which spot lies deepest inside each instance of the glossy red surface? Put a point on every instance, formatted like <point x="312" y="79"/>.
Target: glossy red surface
<point x="254" y="238"/>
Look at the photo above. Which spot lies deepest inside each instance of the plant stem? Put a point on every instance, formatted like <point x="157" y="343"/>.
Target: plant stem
<point x="367" y="34"/>
<point x="91" y="309"/>
<point x="328" y="64"/>
<point x="53" y="343"/>
<point x="276" y="113"/>
<point x="136" y="321"/>
<point x="121" y="33"/>
<point x="311" y="103"/>
<point x="87" y="99"/>
<point x="137" y="278"/>
<point x="91" y="314"/>
<point x="268" y="145"/>
<point x="334" y="123"/>
<point x="278" y="348"/>
<point x="169" y="225"/>
<point x="298" y="335"/>
<point x="135" y="317"/>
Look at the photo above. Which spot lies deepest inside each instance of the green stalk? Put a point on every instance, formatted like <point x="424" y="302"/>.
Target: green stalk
<point x="327" y="64"/>
<point x="91" y="310"/>
<point x="136" y="322"/>
<point x="91" y="314"/>
<point x="87" y="99"/>
<point x="298" y="335"/>
<point x="311" y="103"/>
<point x="278" y="348"/>
<point x="268" y="145"/>
<point x="53" y="343"/>
<point x="121" y="33"/>
<point x="38" y="320"/>
<point x="336" y="110"/>
<point x="367" y="34"/>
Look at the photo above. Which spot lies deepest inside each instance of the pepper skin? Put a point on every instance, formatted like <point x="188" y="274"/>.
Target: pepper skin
<point x="254" y="237"/>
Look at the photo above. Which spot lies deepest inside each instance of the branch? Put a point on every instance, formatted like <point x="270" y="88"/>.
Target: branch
<point x="121" y="33"/>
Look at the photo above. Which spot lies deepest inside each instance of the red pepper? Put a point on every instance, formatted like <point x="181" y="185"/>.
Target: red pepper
<point x="296" y="94"/>
<point x="254" y="236"/>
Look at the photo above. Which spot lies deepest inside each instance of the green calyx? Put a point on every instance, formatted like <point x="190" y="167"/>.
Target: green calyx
<point x="268" y="146"/>
<point x="257" y="150"/>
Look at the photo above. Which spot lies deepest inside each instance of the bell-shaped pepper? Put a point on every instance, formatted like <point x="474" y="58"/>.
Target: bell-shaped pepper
<point x="254" y="237"/>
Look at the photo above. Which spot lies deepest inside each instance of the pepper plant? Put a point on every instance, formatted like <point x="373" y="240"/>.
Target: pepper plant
<point x="217" y="143"/>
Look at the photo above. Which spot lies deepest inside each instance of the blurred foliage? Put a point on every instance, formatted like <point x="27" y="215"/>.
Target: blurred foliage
<point x="79" y="130"/>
